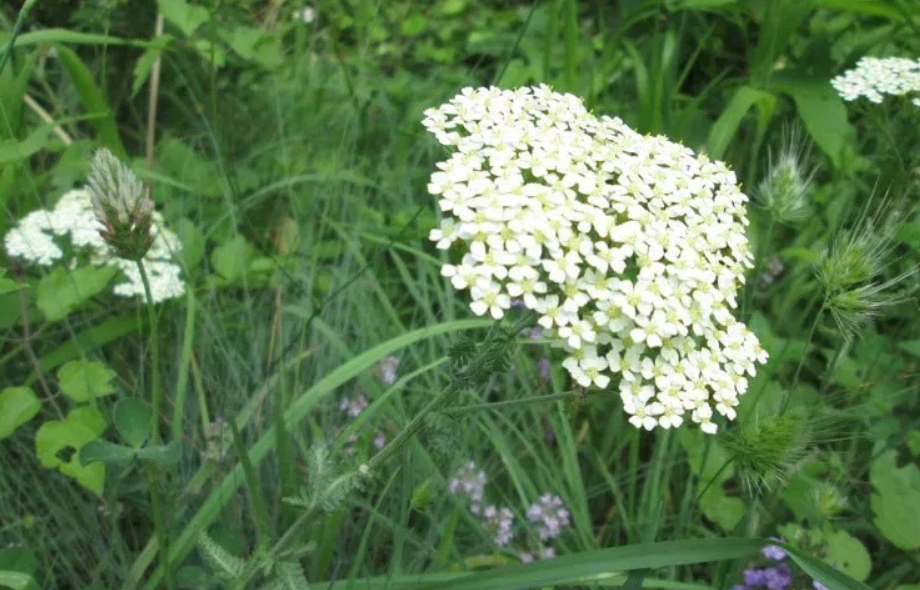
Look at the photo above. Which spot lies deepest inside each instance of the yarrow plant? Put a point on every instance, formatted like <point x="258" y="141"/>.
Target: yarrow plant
<point x="80" y="222"/>
<point x="874" y="78"/>
<point x="630" y="249"/>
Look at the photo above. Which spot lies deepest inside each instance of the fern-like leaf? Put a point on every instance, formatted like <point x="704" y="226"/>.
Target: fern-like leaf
<point x="226" y="565"/>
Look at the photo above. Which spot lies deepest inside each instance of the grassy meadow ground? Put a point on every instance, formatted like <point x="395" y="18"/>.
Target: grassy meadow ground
<point x="294" y="443"/>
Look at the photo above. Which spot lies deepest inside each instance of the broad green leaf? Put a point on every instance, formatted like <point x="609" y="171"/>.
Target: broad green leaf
<point x="823" y="113"/>
<point x="105" y="452"/>
<point x="699" y="5"/>
<point x="145" y="63"/>
<point x="232" y="259"/>
<point x="725" y="128"/>
<point x="54" y="36"/>
<point x="165" y="455"/>
<point x="61" y="292"/>
<point x="13" y="151"/>
<point x="9" y="285"/>
<point x="184" y="16"/>
<point x="254" y="45"/>
<point x="133" y="419"/>
<point x="15" y="580"/>
<point x="723" y="510"/>
<point x="81" y="426"/>
<point x="895" y="500"/>
<point x="870" y="7"/>
<point x="83" y="381"/>
<point x="94" y="102"/>
<point x="192" y="243"/>
<point x="911" y="347"/>
<point x="18" y="560"/>
<point x="89" y="339"/>
<point x="18" y="405"/>
<point x="848" y="554"/>
<point x="913" y="442"/>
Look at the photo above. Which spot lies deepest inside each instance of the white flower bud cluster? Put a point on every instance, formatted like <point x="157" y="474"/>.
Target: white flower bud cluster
<point x="875" y="77"/>
<point x="35" y="240"/>
<point x="629" y="248"/>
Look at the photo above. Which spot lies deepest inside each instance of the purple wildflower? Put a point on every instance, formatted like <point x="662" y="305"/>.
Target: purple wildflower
<point x="754" y="577"/>
<point x="499" y="521"/>
<point x="380" y="440"/>
<point x="386" y="369"/>
<point x="818" y="585"/>
<point x="778" y="578"/>
<point x="773" y="552"/>
<point x="469" y="482"/>
<point x="545" y="369"/>
<point x="550" y="514"/>
<point x="354" y="406"/>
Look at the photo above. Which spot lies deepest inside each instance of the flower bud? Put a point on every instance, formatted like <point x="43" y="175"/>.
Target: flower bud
<point x="120" y="205"/>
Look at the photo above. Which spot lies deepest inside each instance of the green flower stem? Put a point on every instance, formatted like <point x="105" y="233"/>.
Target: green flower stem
<point x="151" y="470"/>
<point x="513" y="403"/>
<point x="156" y="398"/>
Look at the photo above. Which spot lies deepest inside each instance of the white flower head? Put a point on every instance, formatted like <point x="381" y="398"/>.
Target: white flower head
<point x="629" y="248"/>
<point x="38" y="237"/>
<point x="874" y="78"/>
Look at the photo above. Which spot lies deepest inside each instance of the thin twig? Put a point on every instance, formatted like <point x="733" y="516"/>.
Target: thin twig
<point x="47" y="118"/>
<point x="152" y="102"/>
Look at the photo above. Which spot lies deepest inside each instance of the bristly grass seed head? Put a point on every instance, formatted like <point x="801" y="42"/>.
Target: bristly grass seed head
<point x="849" y="272"/>
<point x="765" y="450"/>
<point x="784" y="190"/>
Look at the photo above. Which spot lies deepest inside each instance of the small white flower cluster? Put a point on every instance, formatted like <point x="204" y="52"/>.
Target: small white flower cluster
<point x="630" y="248"/>
<point x="35" y="240"/>
<point x="875" y="77"/>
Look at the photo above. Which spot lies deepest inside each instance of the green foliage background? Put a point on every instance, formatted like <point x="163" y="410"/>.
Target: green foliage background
<point x="290" y="159"/>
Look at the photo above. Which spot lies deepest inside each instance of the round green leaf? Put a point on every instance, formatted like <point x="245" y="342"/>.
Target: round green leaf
<point x="83" y="381"/>
<point x="18" y="405"/>
<point x="133" y="419"/>
<point x="81" y="426"/>
<point x="60" y="292"/>
<point x="848" y="554"/>
<point x="895" y="501"/>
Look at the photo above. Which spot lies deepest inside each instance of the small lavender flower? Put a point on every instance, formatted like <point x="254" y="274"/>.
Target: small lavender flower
<point x="550" y="514"/>
<point x="535" y="333"/>
<point x="469" y="481"/>
<point x="386" y="370"/>
<point x="525" y="557"/>
<point x="773" y="552"/>
<point x="380" y="440"/>
<point x="547" y="553"/>
<point x="818" y="585"/>
<point x="354" y="406"/>
<point x="777" y="578"/>
<point x="545" y="369"/>
<point x="754" y="577"/>
<point x="499" y="522"/>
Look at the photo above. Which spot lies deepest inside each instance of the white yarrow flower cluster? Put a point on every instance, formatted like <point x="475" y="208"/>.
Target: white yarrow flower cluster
<point x="874" y="78"/>
<point x="629" y="248"/>
<point x="37" y="239"/>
